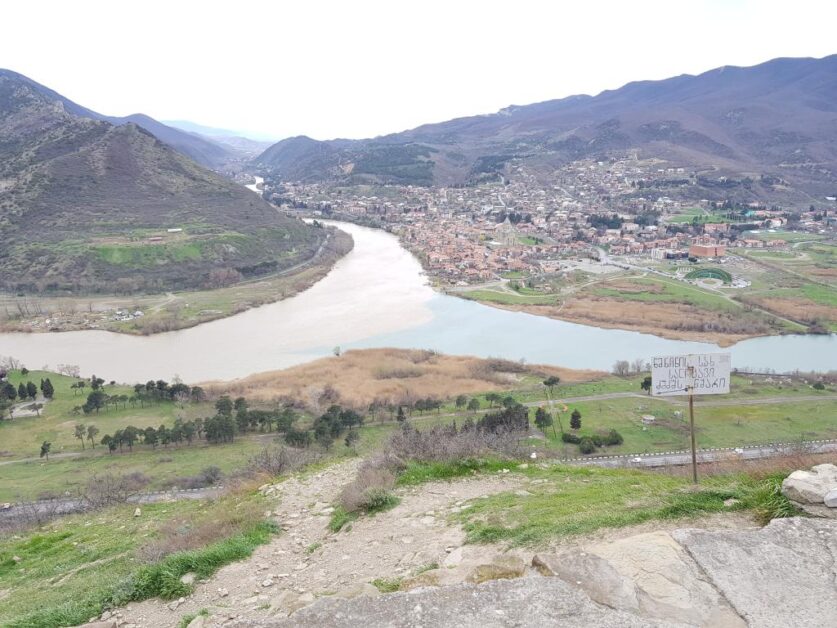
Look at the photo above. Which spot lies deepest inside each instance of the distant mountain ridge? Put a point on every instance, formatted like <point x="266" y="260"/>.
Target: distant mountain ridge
<point x="777" y="118"/>
<point x="202" y="150"/>
<point x="83" y="203"/>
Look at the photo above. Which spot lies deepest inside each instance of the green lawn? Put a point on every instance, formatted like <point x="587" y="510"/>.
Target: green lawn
<point x="820" y="294"/>
<point x="22" y="437"/>
<point x="673" y="291"/>
<point x="787" y="236"/>
<point x="724" y="426"/>
<point x="508" y="298"/>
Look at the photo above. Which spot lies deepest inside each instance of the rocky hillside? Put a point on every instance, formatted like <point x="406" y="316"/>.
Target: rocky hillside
<point x="773" y="123"/>
<point x="86" y="206"/>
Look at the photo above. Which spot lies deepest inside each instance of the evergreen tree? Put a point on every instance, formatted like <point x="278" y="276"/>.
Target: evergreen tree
<point x="575" y="420"/>
<point x="47" y="388"/>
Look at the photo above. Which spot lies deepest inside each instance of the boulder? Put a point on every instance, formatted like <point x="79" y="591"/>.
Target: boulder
<point x="810" y="487"/>
<point x="646" y="574"/>
<point x="454" y="558"/>
<point x="777" y="576"/>
<point x="830" y="499"/>
<point x="668" y="585"/>
<point x="593" y="574"/>
<point x="188" y="578"/>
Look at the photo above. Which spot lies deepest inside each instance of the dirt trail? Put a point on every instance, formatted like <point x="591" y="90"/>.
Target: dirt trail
<point x="307" y="558"/>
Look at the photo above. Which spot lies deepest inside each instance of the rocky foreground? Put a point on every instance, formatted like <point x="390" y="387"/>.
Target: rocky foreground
<point x="721" y="572"/>
<point x="780" y="576"/>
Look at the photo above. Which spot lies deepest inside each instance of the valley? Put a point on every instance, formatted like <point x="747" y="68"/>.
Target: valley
<point x="312" y="328"/>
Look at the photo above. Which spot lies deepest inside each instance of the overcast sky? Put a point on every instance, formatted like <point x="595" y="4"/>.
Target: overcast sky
<point x="358" y="68"/>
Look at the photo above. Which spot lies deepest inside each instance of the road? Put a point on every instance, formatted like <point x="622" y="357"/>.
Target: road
<point x="683" y="402"/>
<point x="723" y="454"/>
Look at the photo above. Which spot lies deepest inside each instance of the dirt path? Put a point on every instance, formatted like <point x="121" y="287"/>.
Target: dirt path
<point x="307" y="558"/>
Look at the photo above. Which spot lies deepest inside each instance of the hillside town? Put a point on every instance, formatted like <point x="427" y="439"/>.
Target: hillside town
<point x="589" y="209"/>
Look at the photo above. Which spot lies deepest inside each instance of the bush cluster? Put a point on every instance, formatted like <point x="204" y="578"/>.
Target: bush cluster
<point x="589" y="444"/>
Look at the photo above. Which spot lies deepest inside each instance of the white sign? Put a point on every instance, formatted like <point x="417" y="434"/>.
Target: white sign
<point x="700" y="374"/>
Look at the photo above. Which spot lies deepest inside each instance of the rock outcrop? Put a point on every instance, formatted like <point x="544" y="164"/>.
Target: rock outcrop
<point x="782" y="575"/>
<point x="495" y="604"/>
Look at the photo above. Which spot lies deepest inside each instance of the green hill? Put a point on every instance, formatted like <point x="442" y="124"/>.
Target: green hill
<point x="86" y="206"/>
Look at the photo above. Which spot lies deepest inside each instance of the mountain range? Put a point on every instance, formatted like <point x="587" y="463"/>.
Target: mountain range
<point x="774" y="124"/>
<point x="86" y="202"/>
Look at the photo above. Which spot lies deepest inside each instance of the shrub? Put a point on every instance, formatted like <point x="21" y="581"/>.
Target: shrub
<point x="570" y="438"/>
<point x="108" y="489"/>
<point x="598" y="441"/>
<point x="370" y="490"/>
<point x="614" y="438"/>
<point x="586" y="445"/>
<point x="275" y="461"/>
<point x="449" y="444"/>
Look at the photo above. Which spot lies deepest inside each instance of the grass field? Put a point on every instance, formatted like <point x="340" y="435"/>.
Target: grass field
<point x="724" y="426"/>
<point x="22" y="437"/>
<point x="570" y="501"/>
<point x="362" y="376"/>
<point x="72" y="569"/>
<point x="510" y="298"/>
<point x="787" y="236"/>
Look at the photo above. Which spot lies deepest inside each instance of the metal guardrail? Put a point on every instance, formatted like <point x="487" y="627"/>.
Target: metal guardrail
<point x="699" y="451"/>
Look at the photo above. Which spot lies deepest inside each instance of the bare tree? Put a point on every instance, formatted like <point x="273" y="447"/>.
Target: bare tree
<point x="621" y="368"/>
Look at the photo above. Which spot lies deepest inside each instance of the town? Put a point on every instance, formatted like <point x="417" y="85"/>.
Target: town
<point x="587" y="210"/>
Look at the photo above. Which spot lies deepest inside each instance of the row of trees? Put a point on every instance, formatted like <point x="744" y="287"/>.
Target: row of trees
<point x="151" y="392"/>
<point x="29" y="390"/>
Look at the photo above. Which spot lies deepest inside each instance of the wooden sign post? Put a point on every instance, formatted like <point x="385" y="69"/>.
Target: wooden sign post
<point x="701" y="374"/>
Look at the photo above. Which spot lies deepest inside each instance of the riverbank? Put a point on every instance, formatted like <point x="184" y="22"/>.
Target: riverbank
<point x="620" y="315"/>
<point x="170" y="311"/>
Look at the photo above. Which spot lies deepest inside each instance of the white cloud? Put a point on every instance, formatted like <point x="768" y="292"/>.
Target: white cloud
<point x="362" y="68"/>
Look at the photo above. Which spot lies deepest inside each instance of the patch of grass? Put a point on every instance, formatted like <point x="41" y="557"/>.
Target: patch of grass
<point x="339" y="518"/>
<point x="189" y="618"/>
<point x="508" y="298"/>
<point x="421" y="472"/>
<point x="787" y="236"/>
<point x="427" y="567"/>
<point x="581" y="500"/>
<point x="313" y="548"/>
<point x="381" y="501"/>
<point x="820" y="294"/>
<point x="163" y="579"/>
<point x="387" y="585"/>
<point x="767" y="501"/>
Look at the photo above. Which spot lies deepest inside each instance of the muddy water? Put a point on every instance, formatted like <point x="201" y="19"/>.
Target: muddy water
<point x="377" y="296"/>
